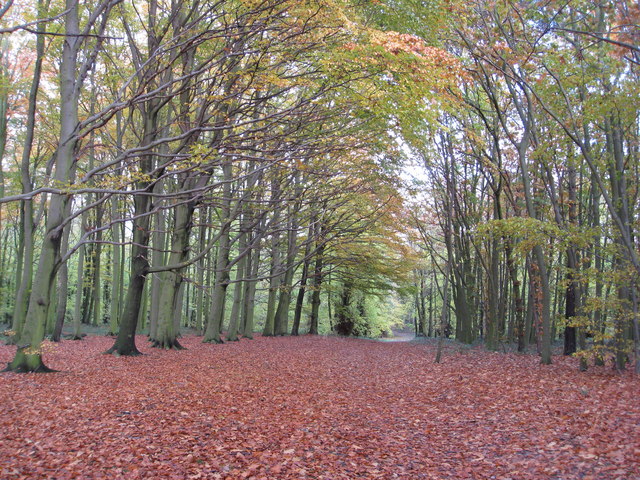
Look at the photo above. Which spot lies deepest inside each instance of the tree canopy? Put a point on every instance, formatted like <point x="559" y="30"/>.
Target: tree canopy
<point x="286" y="166"/>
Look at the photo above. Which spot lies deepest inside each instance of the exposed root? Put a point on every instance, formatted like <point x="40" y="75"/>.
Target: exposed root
<point x="128" y="352"/>
<point x="213" y="340"/>
<point x="22" y="368"/>
<point x="167" y="344"/>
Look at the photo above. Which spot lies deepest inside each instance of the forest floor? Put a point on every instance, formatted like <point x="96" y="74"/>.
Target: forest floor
<point x="315" y="408"/>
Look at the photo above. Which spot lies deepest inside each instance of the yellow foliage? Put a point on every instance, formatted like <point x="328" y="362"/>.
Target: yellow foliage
<point x="45" y="346"/>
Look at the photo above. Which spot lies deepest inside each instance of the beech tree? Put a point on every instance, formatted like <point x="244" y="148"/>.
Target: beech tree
<point x="239" y="166"/>
<point x="536" y="94"/>
<point x="73" y="73"/>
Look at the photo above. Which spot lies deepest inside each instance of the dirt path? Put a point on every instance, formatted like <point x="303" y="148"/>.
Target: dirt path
<point x="399" y="336"/>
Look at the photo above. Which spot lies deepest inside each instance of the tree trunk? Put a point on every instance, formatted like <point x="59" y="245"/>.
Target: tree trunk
<point x="202" y="237"/>
<point x="423" y="328"/>
<point x="157" y="258"/>
<point x="234" y="319"/>
<point x="295" y="329"/>
<point x="541" y="263"/>
<point x="517" y="296"/>
<point x="344" y="316"/>
<point x="253" y="266"/>
<point x="281" y="317"/>
<point x="28" y="357"/>
<point x="25" y="268"/>
<point x="572" y="294"/>
<point x="4" y="119"/>
<point x="219" y="296"/>
<point x="444" y="314"/>
<point x="97" y="274"/>
<point x="431" y="319"/>
<point x="491" y="334"/>
<point x="274" y="284"/>
<point x="171" y="282"/>
<point x="77" y="312"/>
<point x="316" y="287"/>
<point x="117" y="280"/>
<point x="63" y="284"/>
<point x="125" y="343"/>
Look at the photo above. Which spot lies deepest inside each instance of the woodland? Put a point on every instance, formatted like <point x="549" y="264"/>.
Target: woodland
<point x="210" y="208"/>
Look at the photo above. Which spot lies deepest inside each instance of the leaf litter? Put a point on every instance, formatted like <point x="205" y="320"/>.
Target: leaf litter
<point x="315" y="408"/>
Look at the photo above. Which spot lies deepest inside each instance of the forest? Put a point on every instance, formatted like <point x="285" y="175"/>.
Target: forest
<point x="187" y="185"/>
<point x="290" y="167"/>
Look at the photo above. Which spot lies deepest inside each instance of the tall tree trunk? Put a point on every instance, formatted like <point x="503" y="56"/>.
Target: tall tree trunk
<point x="538" y="255"/>
<point x="97" y="271"/>
<point x="28" y="357"/>
<point x="444" y="314"/>
<point x="4" y="120"/>
<point x="178" y="314"/>
<point x="5" y="282"/>
<point x="117" y="232"/>
<point x="281" y="316"/>
<point x="295" y="329"/>
<point x="317" y="283"/>
<point x="87" y="297"/>
<point x="142" y="203"/>
<point x="491" y="334"/>
<point x="275" y="275"/>
<point x="117" y="277"/>
<point x="572" y="294"/>
<point x="519" y="308"/>
<point x="25" y="268"/>
<point x="253" y="267"/>
<point x="125" y="343"/>
<point x="234" y="319"/>
<point x="63" y="284"/>
<point x="517" y="296"/>
<point x="431" y="306"/>
<point x="344" y="316"/>
<point x="202" y="239"/>
<point x="423" y="328"/>
<point x="219" y="296"/>
<point x="157" y="258"/>
<point x="274" y="285"/>
<point x="171" y="282"/>
<point x="617" y="175"/>
<point x="77" y="312"/>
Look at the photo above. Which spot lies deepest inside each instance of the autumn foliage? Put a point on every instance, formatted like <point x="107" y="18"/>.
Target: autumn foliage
<point x="316" y="408"/>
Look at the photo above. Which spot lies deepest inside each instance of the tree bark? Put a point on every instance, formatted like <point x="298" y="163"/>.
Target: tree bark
<point x="295" y="328"/>
<point x="63" y="284"/>
<point x="157" y="258"/>
<point x="252" y="282"/>
<point x="317" y="284"/>
<point x="281" y="316"/>
<point x="171" y="282"/>
<point x="28" y="357"/>
<point x="125" y="343"/>
<point x="219" y="296"/>
<point x="443" y="314"/>
<point x="276" y="268"/>
<point x="234" y="319"/>
<point x="25" y="268"/>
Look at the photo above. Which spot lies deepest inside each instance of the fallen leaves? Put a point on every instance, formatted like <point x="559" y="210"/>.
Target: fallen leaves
<point x="316" y="408"/>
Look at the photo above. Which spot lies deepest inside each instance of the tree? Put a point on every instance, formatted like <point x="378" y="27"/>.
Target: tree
<point x="72" y="76"/>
